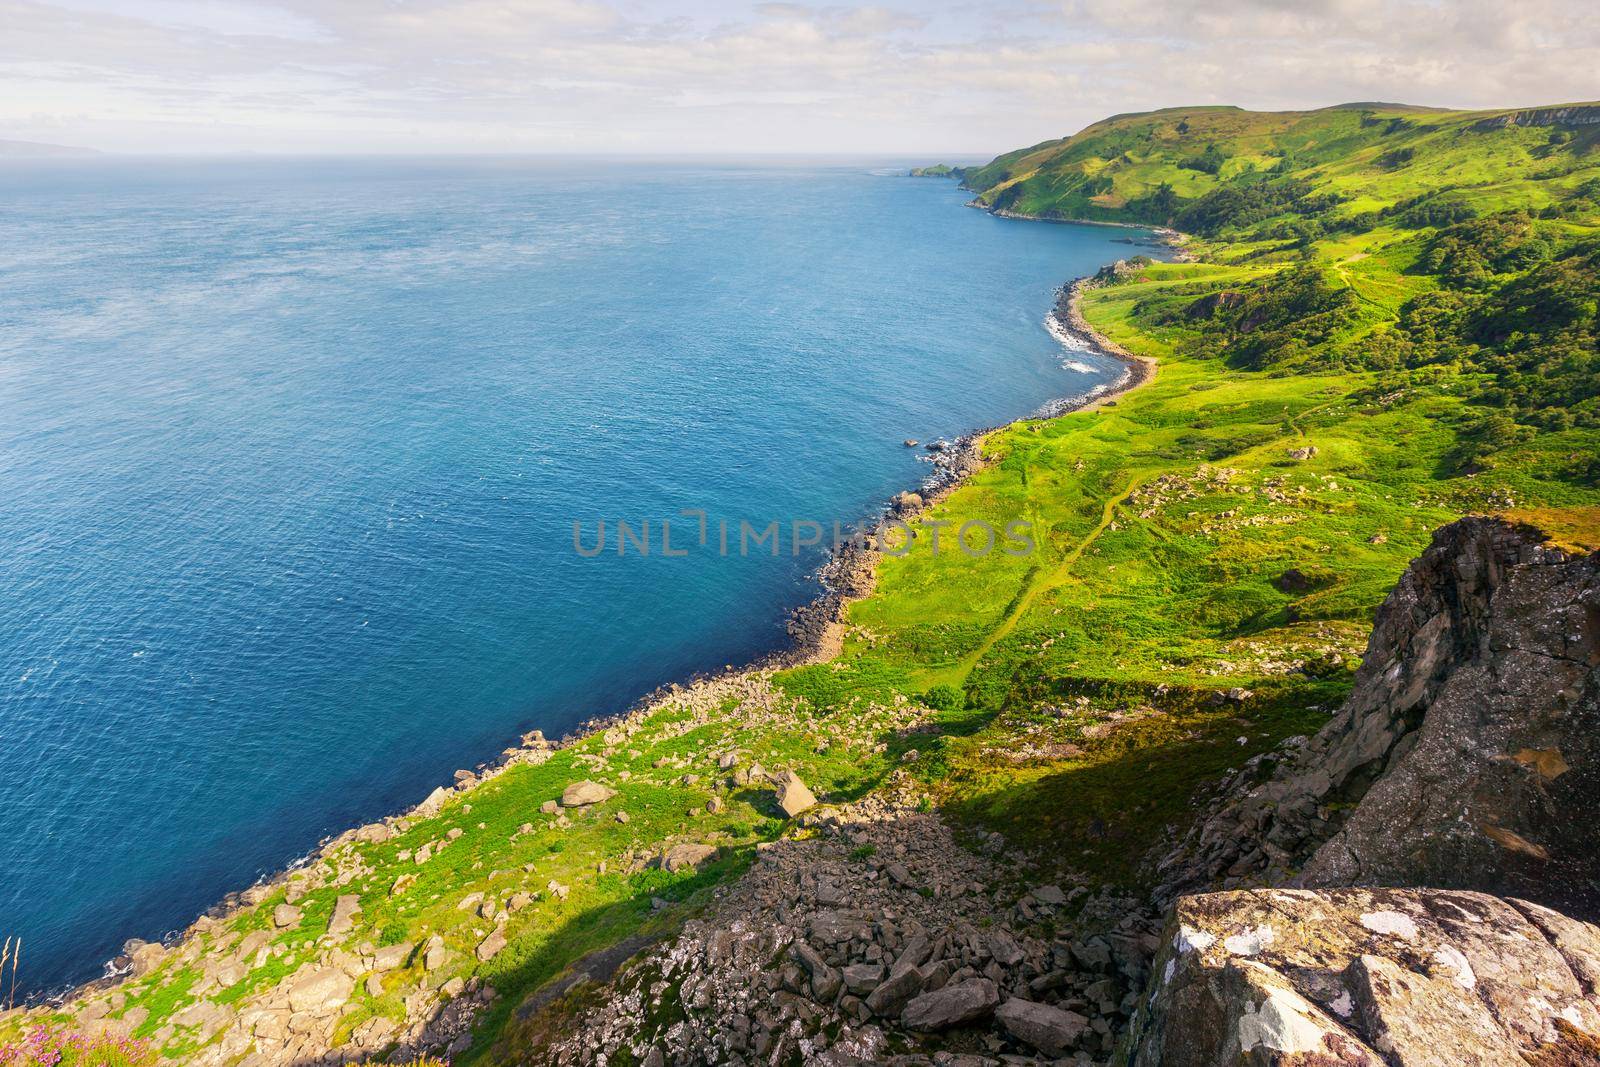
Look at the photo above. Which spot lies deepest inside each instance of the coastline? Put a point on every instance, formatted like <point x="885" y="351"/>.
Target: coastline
<point x="851" y="573"/>
<point x="1165" y="235"/>
<point x="815" y="630"/>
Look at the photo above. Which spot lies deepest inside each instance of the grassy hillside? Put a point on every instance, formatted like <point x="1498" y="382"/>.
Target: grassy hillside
<point x="1356" y="158"/>
<point x="1392" y="322"/>
<point x="1364" y="238"/>
<point x="1410" y="294"/>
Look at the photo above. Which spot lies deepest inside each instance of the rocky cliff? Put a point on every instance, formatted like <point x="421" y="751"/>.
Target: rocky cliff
<point x="1463" y="760"/>
<point x="1571" y="115"/>
<point x="1466" y="757"/>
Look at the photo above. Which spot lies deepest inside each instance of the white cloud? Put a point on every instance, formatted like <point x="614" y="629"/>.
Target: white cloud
<point x="711" y="75"/>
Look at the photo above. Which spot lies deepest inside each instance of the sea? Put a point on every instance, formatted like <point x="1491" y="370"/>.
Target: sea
<point x="304" y="464"/>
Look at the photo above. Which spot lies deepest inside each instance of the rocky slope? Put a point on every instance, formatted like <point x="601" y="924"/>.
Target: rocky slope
<point x="879" y="939"/>
<point x="1466" y="755"/>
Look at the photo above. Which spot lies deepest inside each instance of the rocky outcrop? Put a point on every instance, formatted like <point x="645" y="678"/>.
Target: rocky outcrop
<point x="1467" y="755"/>
<point x="1465" y="759"/>
<point x="1370" y="978"/>
<point x="1572" y="115"/>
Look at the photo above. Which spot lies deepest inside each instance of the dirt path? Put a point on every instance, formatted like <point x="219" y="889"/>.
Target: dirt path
<point x="1041" y="583"/>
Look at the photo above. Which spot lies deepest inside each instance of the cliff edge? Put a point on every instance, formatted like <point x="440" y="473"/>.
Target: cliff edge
<point x="1465" y="757"/>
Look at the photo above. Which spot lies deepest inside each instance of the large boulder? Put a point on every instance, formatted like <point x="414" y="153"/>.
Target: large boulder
<point x="1369" y="978"/>
<point x="686" y="855"/>
<point x="319" y="990"/>
<point x="954" y="1005"/>
<point x="139" y="958"/>
<point x="891" y="995"/>
<point x="391" y="957"/>
<point x="345" y="910"/>
<point x="490" y="946"/>
<point x="582" y="794"/>
<point x="1047" y="1028"/>
<point x="793" y="796"/>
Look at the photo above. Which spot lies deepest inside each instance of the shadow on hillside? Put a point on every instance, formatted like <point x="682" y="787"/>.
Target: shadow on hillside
<point x="1073" y="817"/>
<point x="1107" y="808"/>
<point x="579" y="956"/>
<point x="529" y="1023"/>
<point x="576" y="960"/>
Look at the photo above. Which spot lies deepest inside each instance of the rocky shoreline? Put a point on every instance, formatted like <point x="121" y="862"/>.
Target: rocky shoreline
<point x="850" y="573"/>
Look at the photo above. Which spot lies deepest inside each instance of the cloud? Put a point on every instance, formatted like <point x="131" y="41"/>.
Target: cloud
<point x="704" y="75"/>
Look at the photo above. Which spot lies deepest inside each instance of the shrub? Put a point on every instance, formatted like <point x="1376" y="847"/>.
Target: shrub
<point x="1244" y="203"/>
<point x="1210" y="162"/>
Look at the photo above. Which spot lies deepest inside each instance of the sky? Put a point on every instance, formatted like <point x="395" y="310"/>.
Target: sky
<point x="958" y="80"/>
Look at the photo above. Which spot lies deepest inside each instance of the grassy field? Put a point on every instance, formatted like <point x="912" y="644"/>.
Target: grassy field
<point x="1336" y="381"/>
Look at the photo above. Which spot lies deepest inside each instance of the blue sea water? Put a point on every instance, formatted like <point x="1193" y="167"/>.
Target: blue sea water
<point x="291" y="453"/>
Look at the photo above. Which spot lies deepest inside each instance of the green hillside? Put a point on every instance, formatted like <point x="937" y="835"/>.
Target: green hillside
<point x="1352" y="159"/>
<point x="1390" y="321"/>
<point x="1363" y="237"/>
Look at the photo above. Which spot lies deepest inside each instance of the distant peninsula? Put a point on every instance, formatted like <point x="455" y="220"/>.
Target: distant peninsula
<point x="40" y="150"/>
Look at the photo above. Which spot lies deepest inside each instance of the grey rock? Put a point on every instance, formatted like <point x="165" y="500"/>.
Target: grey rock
<point x="825" y="981"/>
<point x="1050" y="896"/>
<point x="490" y="946"/>
<point x="1004" y="948"/>
<point x="954" y="1005"/>
<point x="863" y="978"/>
<point x="318" y="990"/>
<point x="686" y="856"/>
<point x="1048" y="1029"/>
<point x="838" y="927"/>
<point x="345" y="909"/>
<point x="391" y="957"/>
<point x="1366" y="977"/>
<point x="1092" y="954"/>
<point x="582" y="794"/>
<point x="895" y="991"/>
<point x="793" y="796"/>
